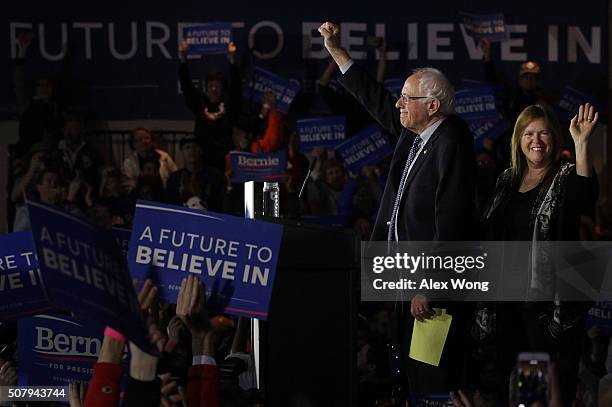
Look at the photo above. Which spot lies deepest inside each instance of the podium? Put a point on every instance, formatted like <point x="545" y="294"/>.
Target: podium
<point x="308" y="344"/>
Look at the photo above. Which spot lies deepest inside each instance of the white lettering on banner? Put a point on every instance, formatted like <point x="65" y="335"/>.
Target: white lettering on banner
<point x="54" y="37"/>
<point x="434" y="41"/>
<point x="63" y="43"/>
<point x="592" y="51"/>
<point x="158" y="42"/>
<point x="348" y="40"/>
<point x="310" y="37"/>
<point x="382" y="33"/>
<point x="103" y="280"/>
<point x="133" y="42"/>
<point x="258" y="162"/>
<point x="87" y="27"/>
<point x="10" y="281"/>
<point x="553" y="43"/>
<point x="196" y="264"/>
<point x="600" y="313"/>
<point x="280" y="39"/>
<point x="471" y="43"/>
<point x="8" y="262"/>
<point x="50" y="343"/>
<point x="506" y="46"/>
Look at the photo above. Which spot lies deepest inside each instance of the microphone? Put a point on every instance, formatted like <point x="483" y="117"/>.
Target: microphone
<point x="310" y="167"/>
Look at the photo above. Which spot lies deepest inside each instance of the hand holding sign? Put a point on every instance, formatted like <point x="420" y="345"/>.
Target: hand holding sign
<point x="485" y="46"/>
<point x="190" y="308"/>
<point x="184" y="47"/>
<point x="269" y="103"/>
<point x="76" y="394"/>
<point x="231" y="51"/>
<point x="142" y="365"/>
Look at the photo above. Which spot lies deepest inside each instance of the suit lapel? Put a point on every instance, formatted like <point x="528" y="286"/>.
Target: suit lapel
<point x="423" y="156"/>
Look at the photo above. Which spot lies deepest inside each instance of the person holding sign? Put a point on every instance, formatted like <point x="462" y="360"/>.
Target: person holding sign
<point x="430" y="189"/>
<point x="215" y="111"/>
<point x="541" y="198"/>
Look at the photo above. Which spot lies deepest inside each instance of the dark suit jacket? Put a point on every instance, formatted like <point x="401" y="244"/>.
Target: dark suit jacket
<point x="437" y="203"/>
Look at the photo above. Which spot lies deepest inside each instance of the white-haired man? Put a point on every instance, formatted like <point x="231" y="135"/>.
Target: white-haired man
<point x="429" y="193"/>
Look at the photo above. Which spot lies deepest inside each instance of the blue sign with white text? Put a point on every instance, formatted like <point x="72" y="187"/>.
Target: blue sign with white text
<point x="85" y="272"/>
<point x="476" y="103"/>
<point x="489" y="128"/>
<point x="208" y="38"/>
<point x="325" y="132"/>
<point x="600" y="315"/>
<point x="367" y="147"/>
<point x="21" y="287"/>
<point x="285" y="90"/>
<point x="485" y="26"/>
<point x="270" y="167"/>
<point x="56" y="350"/>
<point x="234" y="257"/>
<point x="569" y="102"/>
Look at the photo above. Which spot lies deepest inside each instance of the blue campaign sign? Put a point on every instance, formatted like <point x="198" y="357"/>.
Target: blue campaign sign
<point x="208" y="38"/>
<point x="489" y="128"/>
<point x="21" y="287"/>
<point x="369" y="146"/>
<point x="325" y="132"/>
<point x="394" y="86"/>
<point x="263" y="81"/>
<point x="476" y="103"/>
<point x="271" y="167"/>
<point x="234" y="257"/>
<point x="600" y="315"/>
<point x="488" y="26"/>
<point x="85" y="272"/>
<point x="569" y="102"/>
<point x="56" y="350"/>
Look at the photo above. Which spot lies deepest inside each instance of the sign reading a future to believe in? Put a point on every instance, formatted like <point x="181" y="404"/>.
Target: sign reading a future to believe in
<point x="234" y="257"/>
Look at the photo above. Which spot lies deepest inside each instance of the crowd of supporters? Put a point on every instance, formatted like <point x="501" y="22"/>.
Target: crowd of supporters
<point x="205" y="360"/>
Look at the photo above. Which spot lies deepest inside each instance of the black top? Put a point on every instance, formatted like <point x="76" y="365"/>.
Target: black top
<point x="512" y="222"/>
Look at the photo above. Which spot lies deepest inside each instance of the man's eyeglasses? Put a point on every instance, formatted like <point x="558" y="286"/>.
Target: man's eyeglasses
<point x="405" y="98"/>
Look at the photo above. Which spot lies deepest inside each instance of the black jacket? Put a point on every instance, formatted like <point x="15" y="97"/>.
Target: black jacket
<point x="438" y="200"/>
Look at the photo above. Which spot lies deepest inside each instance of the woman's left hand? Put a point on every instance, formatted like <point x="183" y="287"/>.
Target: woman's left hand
<point x="583" y="123"/>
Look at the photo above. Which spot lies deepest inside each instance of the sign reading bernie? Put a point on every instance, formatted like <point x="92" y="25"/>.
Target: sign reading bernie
<point x="56" y="350"/>
<point x="270" y="167"/>
<point x="85" y="272"/>
<point x="21" y="287"/>
<point x="209" y="38"/>
<point x="234" y="257"/>
<point x="324" y="132"/>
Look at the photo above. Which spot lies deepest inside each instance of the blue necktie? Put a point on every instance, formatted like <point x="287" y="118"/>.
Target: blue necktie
<point x="398" y="197"/>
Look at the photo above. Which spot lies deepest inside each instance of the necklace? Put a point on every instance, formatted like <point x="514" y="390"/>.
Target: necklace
<point x="527" y="186"/>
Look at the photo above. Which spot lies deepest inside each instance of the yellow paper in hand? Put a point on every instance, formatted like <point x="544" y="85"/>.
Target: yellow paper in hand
<point x="429" y="337"/>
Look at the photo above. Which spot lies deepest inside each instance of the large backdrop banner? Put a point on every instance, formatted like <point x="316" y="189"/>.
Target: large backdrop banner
<point x="124" y="64"/>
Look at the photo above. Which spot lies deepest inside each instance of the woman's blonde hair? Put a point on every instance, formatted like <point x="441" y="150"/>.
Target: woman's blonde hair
<point x="518" y="161"/>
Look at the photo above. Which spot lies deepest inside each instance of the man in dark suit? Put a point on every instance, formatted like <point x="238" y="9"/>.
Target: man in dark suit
<point x="429" y="193"/>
